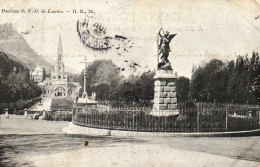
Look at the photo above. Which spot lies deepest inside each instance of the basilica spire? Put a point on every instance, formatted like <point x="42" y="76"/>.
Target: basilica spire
<point x="60" y="49"/>
<point x="59" y="67"/>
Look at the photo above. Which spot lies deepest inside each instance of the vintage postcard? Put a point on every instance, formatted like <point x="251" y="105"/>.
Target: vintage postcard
<point x="134" y="83"/>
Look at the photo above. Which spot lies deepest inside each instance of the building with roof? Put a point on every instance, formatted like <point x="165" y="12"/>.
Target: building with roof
<point x="38" y="74"/>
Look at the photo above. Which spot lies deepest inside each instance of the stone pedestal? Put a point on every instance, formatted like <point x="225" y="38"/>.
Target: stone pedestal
<point x="44" y="113"/>
<point x="165" y="100"/>
<point x="25" y="113"/>
<point x="6" y="114"/>
<point x="84" y="95"/>
<point x="43" y="117"/>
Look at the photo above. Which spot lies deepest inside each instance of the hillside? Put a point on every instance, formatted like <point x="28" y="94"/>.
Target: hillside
<point x="14" y="45"/>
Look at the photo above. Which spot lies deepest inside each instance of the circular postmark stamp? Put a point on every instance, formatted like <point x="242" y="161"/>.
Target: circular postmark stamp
<point x="93" y="35"/>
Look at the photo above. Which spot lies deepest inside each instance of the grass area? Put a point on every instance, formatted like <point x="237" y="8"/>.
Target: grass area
<point x="63" y="104"/>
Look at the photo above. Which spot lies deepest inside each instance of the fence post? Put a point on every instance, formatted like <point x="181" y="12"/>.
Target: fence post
<point x="198" y="116"/>
<point x="133" y="119"/>
<point x="258" y="118"/>
<point x="165" y="126"/>
<point x="55" y="117"/>
<point x="226" y="118"/>
<point x="19" y="103"/>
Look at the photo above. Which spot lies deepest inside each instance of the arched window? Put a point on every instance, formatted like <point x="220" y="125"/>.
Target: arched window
<point x="59" y="77"/>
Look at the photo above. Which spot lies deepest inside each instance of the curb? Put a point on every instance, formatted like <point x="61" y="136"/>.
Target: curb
<point x="73" y="129"/>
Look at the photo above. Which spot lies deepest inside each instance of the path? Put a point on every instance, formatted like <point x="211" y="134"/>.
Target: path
<point x="44" y="104"/>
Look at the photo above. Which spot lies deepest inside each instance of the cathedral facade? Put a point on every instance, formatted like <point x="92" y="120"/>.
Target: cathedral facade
<point x="60" y="83"/>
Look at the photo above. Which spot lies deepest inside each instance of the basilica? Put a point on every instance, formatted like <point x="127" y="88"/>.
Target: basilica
<point x="59" y="83"/>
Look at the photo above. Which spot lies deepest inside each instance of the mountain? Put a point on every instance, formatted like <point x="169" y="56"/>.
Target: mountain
<point x="14" y="45"/>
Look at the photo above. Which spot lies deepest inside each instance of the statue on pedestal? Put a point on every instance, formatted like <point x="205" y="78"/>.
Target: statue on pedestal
<point x="165" y="96"/>
<point x="164" y="49"/>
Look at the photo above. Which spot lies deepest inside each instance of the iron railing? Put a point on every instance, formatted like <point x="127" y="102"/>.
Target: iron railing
<point x="197" y="119"/>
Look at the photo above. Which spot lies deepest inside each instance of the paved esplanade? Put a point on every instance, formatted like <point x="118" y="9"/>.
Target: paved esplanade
<point x="159" y="151"/>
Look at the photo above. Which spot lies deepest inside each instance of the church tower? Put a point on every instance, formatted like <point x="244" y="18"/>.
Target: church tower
<point x="59" y="86"/>
<point x="59" y="62"/>
<point x="59" y="69"/>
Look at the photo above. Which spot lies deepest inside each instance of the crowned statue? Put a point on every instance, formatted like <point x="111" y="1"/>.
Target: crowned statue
<point x="164" y="49"/>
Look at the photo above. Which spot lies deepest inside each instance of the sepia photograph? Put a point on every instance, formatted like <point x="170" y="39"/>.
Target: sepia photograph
<point x="130" y="83"/>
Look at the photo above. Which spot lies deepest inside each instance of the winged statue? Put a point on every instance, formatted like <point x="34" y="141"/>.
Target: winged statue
<point x="164" y="49"/>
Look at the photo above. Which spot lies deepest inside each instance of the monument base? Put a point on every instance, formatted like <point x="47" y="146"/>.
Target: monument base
<point x="165" y="99"/>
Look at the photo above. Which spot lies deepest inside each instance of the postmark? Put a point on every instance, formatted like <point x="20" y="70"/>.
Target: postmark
<point x="93" y="35"/>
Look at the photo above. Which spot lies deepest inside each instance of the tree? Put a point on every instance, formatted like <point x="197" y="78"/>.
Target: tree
<point x="15" y="83"/>
<point x="102" y="77"/>
<point x="182" y="89"/>
<point x="197" y="88"/>
<point x="139" y="89"/>
<point x="236" y="81"/>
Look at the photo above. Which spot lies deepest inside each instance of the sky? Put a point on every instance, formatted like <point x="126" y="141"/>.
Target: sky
<point x="205" y="30"/>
